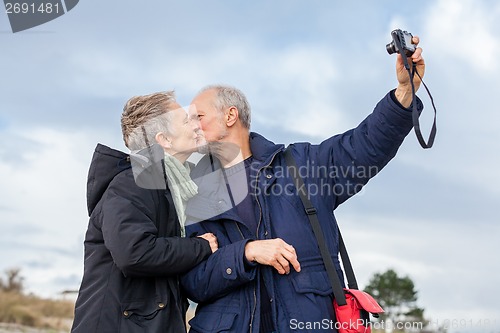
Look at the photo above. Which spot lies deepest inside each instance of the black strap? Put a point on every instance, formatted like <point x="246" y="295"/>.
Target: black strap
<point x="346" y="263"/>
<point x="416" y="124"/>
<point x="311" y="212"/>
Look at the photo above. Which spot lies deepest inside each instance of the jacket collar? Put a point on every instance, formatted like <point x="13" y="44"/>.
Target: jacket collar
<point x="207" y="175"/>
<point x="262" y="149"/>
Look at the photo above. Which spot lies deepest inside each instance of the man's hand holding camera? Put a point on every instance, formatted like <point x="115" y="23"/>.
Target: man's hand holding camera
<point x="403" y="92"/>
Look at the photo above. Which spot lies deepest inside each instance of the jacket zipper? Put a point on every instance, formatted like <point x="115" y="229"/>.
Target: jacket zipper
<point x="257" y="232"/>
<point x="256" y="185"/>
<point x="254" y="289"/>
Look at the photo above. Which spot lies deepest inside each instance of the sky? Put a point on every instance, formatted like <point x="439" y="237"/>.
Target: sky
<point x="310" y="69"/>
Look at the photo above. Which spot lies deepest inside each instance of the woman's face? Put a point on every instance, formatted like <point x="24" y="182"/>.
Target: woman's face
<point x="186" y="134"/>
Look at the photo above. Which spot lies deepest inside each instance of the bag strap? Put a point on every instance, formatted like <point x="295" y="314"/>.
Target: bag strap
<point x="311" y="212"/>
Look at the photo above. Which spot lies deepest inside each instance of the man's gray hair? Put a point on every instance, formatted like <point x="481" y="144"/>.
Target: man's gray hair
<point x="228" y="96"/>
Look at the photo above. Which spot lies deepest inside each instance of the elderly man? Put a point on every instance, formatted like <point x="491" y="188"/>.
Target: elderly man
<point x="268" y="274"/>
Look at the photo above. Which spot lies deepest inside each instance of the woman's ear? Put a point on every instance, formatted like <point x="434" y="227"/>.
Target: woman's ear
<point x="163" y="140"/>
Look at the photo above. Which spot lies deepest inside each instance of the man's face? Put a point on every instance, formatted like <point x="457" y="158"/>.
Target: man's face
<point x="211" y="120"/>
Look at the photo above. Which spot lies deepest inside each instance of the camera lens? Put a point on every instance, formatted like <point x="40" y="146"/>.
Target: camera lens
<point x="391" y="48"/>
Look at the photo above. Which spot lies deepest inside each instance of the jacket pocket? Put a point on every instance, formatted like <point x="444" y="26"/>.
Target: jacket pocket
<point x="213" y="321"/>
<point x="142" y="316"/>
<point x="316" y="282"/>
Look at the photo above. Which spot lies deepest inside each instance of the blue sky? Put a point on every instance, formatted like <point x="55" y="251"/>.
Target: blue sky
<point x="310" y="70"/>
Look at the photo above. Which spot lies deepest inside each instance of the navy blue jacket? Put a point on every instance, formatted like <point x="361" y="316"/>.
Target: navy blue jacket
<point x="133" y="253"/>
<point x="225" y="285"/>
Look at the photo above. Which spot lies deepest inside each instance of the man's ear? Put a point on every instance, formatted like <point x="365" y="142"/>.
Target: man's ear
<point x="231" y="116"/>
<point x="163" y="140"/>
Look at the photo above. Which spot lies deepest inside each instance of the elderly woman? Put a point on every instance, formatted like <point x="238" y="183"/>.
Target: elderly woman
<point x="134" y="251"/>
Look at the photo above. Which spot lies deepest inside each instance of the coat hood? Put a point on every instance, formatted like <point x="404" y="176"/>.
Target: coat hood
<point x="106" y="164"/>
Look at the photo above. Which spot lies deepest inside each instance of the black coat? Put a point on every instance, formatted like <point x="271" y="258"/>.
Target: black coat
<point x="133" y="254"/>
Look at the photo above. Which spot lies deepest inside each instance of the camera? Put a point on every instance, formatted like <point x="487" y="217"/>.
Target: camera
<point x="401" y="39"/>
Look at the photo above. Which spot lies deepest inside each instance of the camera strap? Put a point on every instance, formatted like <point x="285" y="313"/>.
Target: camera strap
<point x="416" y="124"/>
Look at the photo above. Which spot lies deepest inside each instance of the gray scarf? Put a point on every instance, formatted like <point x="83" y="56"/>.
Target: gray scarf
<point x="181" y="186"/>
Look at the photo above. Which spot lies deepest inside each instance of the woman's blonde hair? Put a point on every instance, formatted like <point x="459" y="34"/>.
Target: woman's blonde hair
<point x="145" y="116"/>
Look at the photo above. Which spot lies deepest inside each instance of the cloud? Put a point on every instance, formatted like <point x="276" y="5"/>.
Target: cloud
<point x="466" y="31"/>
<point x="445" y="261"/>
<point x="45" y="194"/>
<point x="303" y="76"/>
<point x="300" y="96"/>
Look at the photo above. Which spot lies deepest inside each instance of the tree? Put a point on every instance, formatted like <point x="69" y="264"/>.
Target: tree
<point x="397" y="296"/>
<point x="14" y="281"/>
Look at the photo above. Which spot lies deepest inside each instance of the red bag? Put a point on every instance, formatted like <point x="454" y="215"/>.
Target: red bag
<point x="354" y="316"/>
